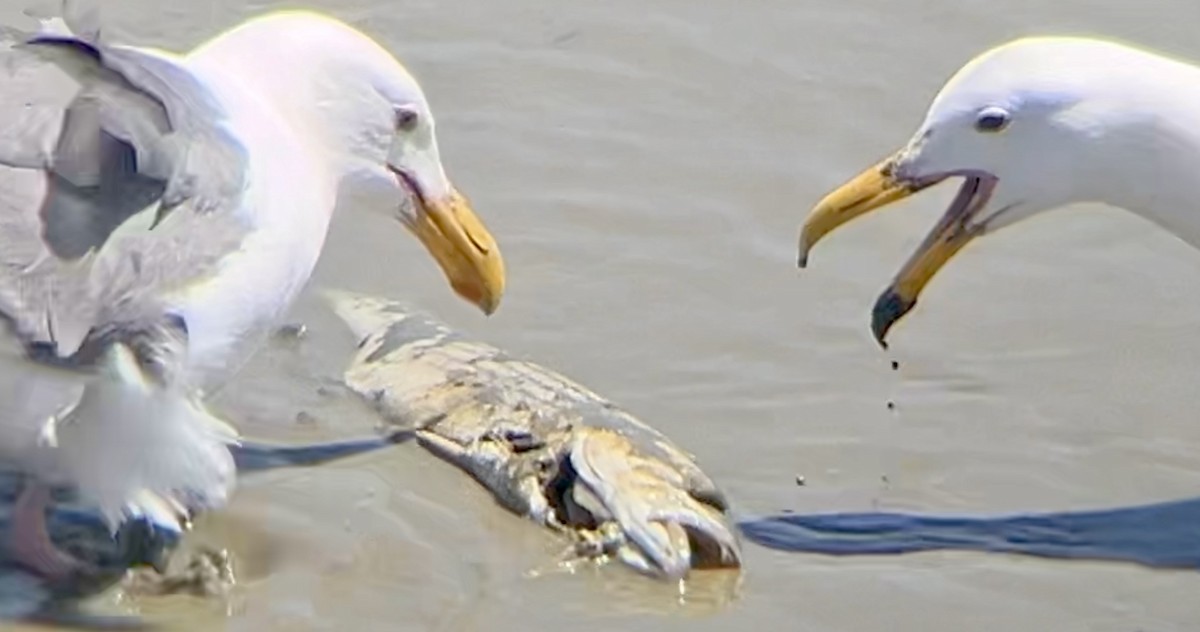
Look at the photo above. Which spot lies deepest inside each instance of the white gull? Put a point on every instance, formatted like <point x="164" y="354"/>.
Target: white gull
<point x="1031" y="126"/>
<point x="158" y="214"/>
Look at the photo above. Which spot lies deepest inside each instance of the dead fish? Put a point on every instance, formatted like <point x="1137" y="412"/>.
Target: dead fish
<point x="545" y="446"/>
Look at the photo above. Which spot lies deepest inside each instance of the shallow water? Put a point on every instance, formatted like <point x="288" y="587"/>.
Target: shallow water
<point x="645" y="166"/>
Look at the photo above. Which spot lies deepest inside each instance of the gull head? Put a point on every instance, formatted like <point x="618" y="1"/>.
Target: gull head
<point x="365" y="115"/>
<point x="1033" y="125"/>
<point x="438" y="214"/>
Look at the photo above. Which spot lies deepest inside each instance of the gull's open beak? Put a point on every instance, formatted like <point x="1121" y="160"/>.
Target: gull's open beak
<point x="951" y="233"/>
<point x="462" y="246"/>
<point x="878" y="187"/>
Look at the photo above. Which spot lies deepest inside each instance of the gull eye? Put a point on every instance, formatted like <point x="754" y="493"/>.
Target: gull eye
<point x="406" y="119"/>
<point x="992" y="119"/>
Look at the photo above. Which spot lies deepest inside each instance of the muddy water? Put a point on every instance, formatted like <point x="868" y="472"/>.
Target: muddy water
<point x="645" y="166"/>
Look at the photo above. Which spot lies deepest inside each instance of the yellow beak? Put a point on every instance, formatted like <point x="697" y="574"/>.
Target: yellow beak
<point x="948" y="237"/>
<point x="462" y="246"/>
<point x="874" y="189"/>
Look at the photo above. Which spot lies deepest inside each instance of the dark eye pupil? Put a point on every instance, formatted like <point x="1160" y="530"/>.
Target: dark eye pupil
<point x="406" y="119"/>
<point x="991" y="121"/>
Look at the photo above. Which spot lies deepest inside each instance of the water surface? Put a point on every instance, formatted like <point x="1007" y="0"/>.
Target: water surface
<point x="645" y="165"/>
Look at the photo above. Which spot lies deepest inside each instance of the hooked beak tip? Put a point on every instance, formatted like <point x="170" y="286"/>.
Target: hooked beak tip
<point x="889" y="308"/>
<point x="483" y="296"/>
<point x="805" y="245"/>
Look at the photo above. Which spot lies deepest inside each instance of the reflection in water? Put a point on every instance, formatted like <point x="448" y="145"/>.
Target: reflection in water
<point x="703" y="593"/>
<point x="1161" y="535"/>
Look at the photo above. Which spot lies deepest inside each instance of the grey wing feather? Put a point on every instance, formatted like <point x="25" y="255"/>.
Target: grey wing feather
<point x="118" y="181"/>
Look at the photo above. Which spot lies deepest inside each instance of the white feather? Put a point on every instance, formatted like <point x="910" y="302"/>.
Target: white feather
<point x="135" y="449"/>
